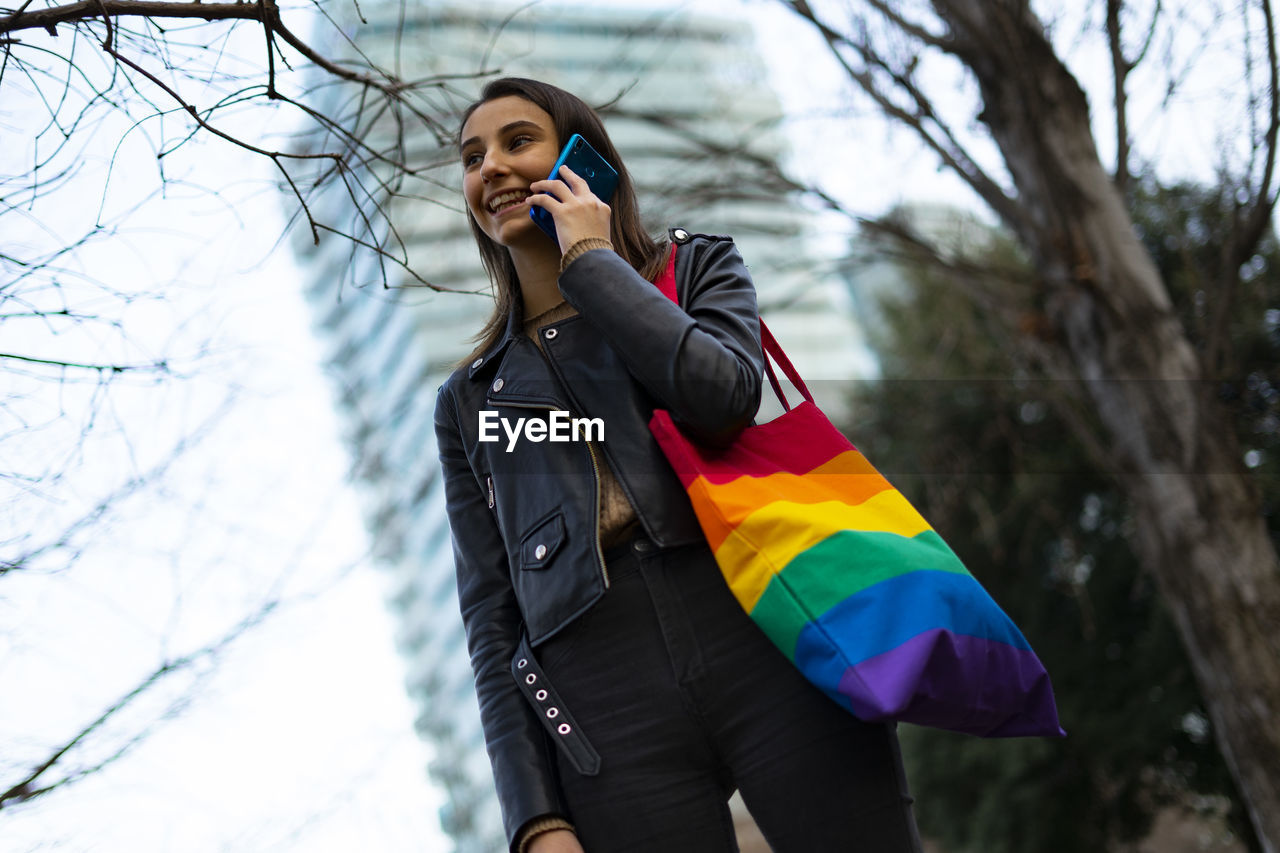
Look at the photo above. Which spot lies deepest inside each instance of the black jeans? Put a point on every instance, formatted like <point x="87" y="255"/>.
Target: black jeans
<point x="685" y="699"/>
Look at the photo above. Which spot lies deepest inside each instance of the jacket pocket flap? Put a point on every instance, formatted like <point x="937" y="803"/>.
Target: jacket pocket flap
<point x="541" y="543"/>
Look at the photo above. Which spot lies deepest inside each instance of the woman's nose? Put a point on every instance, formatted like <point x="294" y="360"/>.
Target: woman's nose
<point x="492" y="166"/>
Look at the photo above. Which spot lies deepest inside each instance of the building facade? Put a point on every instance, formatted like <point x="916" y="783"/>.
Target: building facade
<point x="689" y="101"/>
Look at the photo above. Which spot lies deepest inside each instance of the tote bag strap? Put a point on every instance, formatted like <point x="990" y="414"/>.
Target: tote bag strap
<point x="666" y="283"/>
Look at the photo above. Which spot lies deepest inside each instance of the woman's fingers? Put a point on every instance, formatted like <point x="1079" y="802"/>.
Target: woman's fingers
<point x="576" y="183"/>
<point x="577" y="211"/>
<point x="567" y="184"/>
<point x="556" y="189"/>
<point x="542" y="200"/>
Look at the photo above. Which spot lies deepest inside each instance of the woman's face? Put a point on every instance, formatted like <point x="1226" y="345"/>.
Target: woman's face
<point x="507" y="144"/>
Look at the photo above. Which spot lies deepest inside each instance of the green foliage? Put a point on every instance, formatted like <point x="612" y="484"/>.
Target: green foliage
<point x="1185" y="229"/>
<point x="961" y="425"/>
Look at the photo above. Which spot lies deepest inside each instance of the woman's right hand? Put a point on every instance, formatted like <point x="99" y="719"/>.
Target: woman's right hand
<point x="555" y="841"/>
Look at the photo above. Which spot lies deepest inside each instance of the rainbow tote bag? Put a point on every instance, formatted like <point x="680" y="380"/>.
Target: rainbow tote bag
<point x="849" y="581"/>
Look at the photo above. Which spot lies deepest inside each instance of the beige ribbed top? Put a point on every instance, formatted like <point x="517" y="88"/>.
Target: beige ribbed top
<point x="616" y="513"/>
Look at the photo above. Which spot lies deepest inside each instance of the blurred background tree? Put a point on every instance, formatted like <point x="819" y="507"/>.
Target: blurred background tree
<point x="961" y="424"/>
<point x="1135" y="377"/>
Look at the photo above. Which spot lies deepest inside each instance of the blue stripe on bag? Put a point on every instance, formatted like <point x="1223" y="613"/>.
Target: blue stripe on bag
<point x="886" y="615"/>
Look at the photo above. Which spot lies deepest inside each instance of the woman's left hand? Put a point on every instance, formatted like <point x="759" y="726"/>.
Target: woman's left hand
<point x="578" y="212"/>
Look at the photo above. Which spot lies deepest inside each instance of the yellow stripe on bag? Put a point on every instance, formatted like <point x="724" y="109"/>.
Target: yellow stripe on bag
<point x="848" y="478"/>
<point x="770" y="538"/>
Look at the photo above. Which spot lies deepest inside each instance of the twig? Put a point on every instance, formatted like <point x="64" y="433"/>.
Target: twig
<point x="30" y="787"/>
<point x="161" y="366"/>
<point x="1120" y="69"/>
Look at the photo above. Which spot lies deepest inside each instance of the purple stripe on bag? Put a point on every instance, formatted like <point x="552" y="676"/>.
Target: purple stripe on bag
<point x="931" y="648"/>
<point x="1008" y="691"/>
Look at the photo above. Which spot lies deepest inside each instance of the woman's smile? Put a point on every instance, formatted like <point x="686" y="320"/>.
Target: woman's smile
<point x="507" y="200"/>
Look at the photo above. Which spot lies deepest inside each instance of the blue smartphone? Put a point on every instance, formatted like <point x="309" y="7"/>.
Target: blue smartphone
<point x="587" y="164"/>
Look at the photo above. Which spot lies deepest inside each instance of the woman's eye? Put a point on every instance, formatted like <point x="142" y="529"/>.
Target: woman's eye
<point x="517" y="141"/>
<point x="469" y="160"/>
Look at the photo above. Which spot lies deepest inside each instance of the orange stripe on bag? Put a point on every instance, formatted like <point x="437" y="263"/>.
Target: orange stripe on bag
<point x="847" y="478"/>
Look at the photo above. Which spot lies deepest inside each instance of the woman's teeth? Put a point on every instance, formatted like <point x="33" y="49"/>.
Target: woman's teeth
<point x="506" y="199"/>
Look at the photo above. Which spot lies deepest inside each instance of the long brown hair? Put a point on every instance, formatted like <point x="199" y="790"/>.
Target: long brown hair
<point x="570" y="115"/>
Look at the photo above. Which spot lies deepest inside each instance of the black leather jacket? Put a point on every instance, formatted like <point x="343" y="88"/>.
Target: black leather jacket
<point x="524" y="513"/>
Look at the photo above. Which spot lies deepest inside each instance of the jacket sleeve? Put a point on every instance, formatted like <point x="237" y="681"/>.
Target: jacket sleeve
<point x="702" y="362"/>
<point x="518" y="747"/>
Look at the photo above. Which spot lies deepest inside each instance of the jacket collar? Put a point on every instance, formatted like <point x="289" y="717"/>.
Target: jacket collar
<point x="515" y="320"/>
<point x="484" y="362"/>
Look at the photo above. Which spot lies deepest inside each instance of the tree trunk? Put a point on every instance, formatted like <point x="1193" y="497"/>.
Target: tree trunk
<point x="1200" y="530"/>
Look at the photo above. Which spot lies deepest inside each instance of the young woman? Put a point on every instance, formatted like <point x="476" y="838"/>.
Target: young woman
<point x="623" y="693"/>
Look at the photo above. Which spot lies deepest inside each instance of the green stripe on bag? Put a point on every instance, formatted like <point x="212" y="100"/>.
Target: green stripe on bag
<point x="809" y="577"/>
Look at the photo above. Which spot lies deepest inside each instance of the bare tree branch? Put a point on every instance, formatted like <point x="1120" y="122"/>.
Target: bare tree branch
<point x="1253" y="220"/>
<point x="68" y="538"/>
<point x="49" y="18"/>
<point x="154" y="367"/>
<point x="1120" y="68"/>
<point x="1264" y="197"/>
<point x="915" y="30"/>
<point x="923" y="120"/>
<point x="34" y="783"/>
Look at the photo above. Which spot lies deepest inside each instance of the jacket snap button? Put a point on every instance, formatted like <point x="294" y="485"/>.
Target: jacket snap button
<point x="477" y="363"/>
<point x="522" y="663"/>
<point x="497" y="385"/>
<point x="552" y="713"/>
<point x="541" y="695"/>
<point x="644" y="546"/>
<point x="539" y="552"/>
<point x="564" y="729"/>
<point x="530" y="678"/>
<point x="551" y="333"/>
<point x="680" y="235"/>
